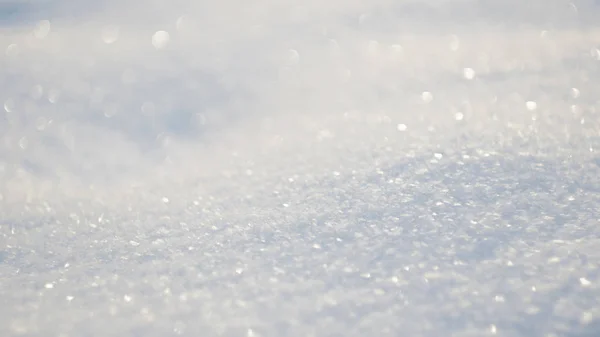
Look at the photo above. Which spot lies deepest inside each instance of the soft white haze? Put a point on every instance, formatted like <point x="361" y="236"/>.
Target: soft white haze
<point x="299" y="168"/>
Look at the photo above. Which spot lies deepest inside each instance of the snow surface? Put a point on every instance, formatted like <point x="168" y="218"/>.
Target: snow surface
<point x="299" y="168"/>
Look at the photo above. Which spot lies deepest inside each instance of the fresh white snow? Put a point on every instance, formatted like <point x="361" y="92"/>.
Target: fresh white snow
<point x="299" y="168"/>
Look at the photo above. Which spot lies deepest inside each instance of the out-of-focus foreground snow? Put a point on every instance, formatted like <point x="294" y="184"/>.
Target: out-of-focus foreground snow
<point x="299" y="168"/>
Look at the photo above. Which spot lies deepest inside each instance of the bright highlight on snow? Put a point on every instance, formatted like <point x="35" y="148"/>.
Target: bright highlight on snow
<point x="293" y="57"/>
<point x="12" y="50"/>
<point x="160" y="39"/>
<point x="427" y="97"/>
<point x="42" y="29"/>
<point x="469" y="73"/>
<point x="110" y="34"/>
<point x="9" y="105"/>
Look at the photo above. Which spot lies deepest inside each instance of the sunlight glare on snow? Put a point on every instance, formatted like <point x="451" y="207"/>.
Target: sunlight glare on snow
<point x="160" y="39"/>
<point x="293" y="57"/>
<point x="9" y="105"/>
<point x="12" y="50"/>
<point x="427" y="97"/>
<point x="575" y="93"/>
<point x="110" y="34"/>
<point x="42" y="29"/>
<point x="36" y="92"/>
<point x="469" y="73"/>
<point x="181" y="23"/>
<point x="53" y="95"/>
<point x="454" y="43"/>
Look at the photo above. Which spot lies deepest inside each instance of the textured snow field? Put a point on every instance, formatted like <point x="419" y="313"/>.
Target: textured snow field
<point x="299" y="168"/>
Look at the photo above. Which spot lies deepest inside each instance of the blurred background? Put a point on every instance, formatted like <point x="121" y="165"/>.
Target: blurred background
<point x="96" y="91"/>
